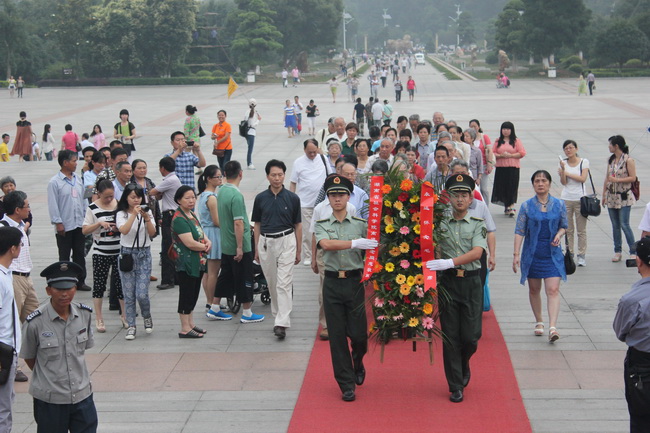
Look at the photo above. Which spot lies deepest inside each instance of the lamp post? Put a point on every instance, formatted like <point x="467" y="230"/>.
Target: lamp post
<point x="457" y="21"/>
<point x="347" y="18"/>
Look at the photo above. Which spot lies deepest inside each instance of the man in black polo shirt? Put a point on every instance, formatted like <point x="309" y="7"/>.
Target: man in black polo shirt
<point x="278" y="235"/>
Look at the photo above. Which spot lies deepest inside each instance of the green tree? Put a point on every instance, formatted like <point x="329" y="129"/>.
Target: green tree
<point x="72" y="22"/>
<point x="552" y="24"/>
<point x="466" y="28"/>
<point x="622" y="41"/>
<point x="170" y="34"/>
<point x="12" y="36"/>
<point x="510" y="30"/>
<point x="307" y="25"/>
<point x="256" y="38"/>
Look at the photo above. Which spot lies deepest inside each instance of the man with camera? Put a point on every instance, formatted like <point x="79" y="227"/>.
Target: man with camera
<point x="632" y="326"/>
<point x="187" y="155"/>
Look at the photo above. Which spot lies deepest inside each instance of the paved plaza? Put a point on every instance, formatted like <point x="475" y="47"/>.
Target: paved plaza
<point x="240" y="377"/>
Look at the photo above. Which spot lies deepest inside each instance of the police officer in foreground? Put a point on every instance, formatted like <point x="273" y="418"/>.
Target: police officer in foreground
<point x="632" y="326"/>
<point x="55" y="337"/>
<point x="341" y="237"/>
<point x="461" y="243"/>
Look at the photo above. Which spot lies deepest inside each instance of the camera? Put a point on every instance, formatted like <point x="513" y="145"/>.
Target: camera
<point x="190" y="143"/>
<point x="145" y="208"/>
<point x="630" y="263"/>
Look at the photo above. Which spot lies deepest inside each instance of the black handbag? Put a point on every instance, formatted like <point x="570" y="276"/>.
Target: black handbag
<point x="201" y="132"/>
<point x="569" y="264"/>
<point x="125" y="260"/>
<point x="7" y="352"/>
<point x="590" y="204"/>
<point x="243" y="128"/>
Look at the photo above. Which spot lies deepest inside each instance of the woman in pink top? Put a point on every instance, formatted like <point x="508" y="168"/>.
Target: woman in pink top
<point x="508" y="150"/>
<point x="410" y="86"/>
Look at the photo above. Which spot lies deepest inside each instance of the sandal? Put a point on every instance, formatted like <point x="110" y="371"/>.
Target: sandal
<point x="199" y="330"/>
<point x="617" y="257"/>
<point x="124" y="322"/>
<point x="99" y="324"/>
<point x="190" y="334"/>
<point x="539" y="331"/>
<point x="553" y="335"/>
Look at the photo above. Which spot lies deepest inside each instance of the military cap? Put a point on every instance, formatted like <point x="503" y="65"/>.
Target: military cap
<point x="337" y="184"/>
<point x="62" y="275"/>
<point x="460" y="182"/>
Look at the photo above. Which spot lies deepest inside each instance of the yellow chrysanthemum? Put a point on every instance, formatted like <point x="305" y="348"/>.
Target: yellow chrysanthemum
<point x="415" y="217"/>
<point x="387" y="203"/>
<point x="398" y="205"/>
<point x="400" y="279"/>
<point x="419" y="279"/>
<point x="388" y="220"/>
<point x="395" y="251"/>
<point x="413" y="322"/>
<point x="427" y="308"/>
<point x="416" y="229"/>
<point x="404" y="289"/>
<point x="418" y="264"/>
<point x="389" y="267"/>
<point x="389" y="229"/>
<point x="404" y="247"/>
<point x="414" y="199"/>
<point x="410" y="280"/>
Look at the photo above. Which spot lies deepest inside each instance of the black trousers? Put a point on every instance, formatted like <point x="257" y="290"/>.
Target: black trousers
<point x="60" y="418"/>
<point x="168" y="270"/>
<point x="636" y="373"/>
<point x="188" y="292"/>
<point x="74" y="242"/>
<point x="236" y="277"/>
<point x="345" y="313"/>
<point x="461" y="316"/>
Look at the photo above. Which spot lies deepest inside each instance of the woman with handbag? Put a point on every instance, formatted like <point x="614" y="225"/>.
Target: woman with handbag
<point x="221" y="133"/>
<point x="192" y="125"/>
<point x="573" y="173"/>
<point x="124" y="131"/>
<point x="100" y="222"/>
<point x="190" y="249"/>
<point x="252" y="118"/>
<point x="135" y="223"/>
<point x="541" y="223"/>
<point x="618" y="196"/>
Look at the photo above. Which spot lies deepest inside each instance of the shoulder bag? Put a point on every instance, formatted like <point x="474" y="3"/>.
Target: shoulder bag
<point x="569" y="264"/>
<point x="243" y="128"/>
<point x="589" y="204"/>
<point x="636" y="186"/>
<point x="126" y="259"/>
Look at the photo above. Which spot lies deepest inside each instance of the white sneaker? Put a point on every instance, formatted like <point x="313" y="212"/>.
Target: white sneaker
<point x="581" y="261"/>
<point x="251" y="167"/>
<point x="307" y="262"/>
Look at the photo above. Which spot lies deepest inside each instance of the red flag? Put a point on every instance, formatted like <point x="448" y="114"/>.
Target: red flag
<point x="374" y="223"/>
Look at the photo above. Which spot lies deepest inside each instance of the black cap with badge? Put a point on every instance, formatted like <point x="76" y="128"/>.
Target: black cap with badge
<point x="460" y="183"/>
<point x="62" y="275"/>
<point x="336" y="184"/>
<point x="643" y="250"/>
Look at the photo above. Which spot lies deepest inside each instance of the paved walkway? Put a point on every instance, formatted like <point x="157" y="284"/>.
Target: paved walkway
<point x="239" y="378"/>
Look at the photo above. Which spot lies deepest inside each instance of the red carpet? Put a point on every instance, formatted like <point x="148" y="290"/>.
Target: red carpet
<point x="406" y="394"/>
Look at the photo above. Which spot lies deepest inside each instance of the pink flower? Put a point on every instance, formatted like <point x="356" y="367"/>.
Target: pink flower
<point x="404" y="264"/>
<point x="427" y="323"/>
<point x="404" y="230"/>
<point x="419" y="292"/>
<point x="379" y="302"/>
<point x="400" y="316"/>
<point x="381" y="317"/>
<point x="392" y="303"/>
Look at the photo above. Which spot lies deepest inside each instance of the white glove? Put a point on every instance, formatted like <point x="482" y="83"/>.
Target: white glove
<point x="440" y="264"/>
<point x="364" y="244"/>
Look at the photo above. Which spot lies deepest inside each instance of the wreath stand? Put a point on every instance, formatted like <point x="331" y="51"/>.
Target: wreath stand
<point x="428" y="338"/>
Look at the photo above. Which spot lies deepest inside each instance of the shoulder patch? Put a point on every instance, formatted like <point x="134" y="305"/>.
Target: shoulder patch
<point x="85" y="307"/>
<point x="476" y="218"/>
<point x="34" y="314"/>
<point x="323" y="221"/>
<point x="358" y="219"/>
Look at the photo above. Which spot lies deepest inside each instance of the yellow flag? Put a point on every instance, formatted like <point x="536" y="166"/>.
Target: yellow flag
<point x="232" y="86"/>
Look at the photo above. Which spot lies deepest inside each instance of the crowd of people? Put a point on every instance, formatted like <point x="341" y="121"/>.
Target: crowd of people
<point x="209" y="243"/>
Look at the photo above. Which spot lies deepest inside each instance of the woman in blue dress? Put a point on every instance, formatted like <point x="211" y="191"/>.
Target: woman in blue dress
<point x="209" y="182"/>
<point x="541" y="223"/>
<point x="290" y="118"/>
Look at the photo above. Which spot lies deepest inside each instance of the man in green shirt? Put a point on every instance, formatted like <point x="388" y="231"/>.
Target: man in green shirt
<point x="341" y="236"/>
<point x="236" y="275"/>
<point x="462" y="241"/>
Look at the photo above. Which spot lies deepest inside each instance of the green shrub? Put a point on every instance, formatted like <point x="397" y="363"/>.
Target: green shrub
<point x="570" y="61"/>
<point x="55" y="71"/>
<point x="180" y="70"/>
<point x="203" y="73"/>
<point x="492" y="58"/>
<point x="576" y="68"/>
<point x="597" y="62"/>
<point x="82" y="82"/>
<point x="218" y="74"/>
<point x="633" y="63"/>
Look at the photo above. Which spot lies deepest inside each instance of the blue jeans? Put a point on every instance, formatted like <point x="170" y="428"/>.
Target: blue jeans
<point x="224" y="160"/>
<point x="135" y="284"/>
<point x="250" y="139"/>
<point x="620" y="219"/>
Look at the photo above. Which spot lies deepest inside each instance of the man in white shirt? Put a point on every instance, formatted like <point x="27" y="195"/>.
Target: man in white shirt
<point x="307" y="177"/>
<point x="10" y="240"/>
<point x="339" y="131"/>
<point x="377" y="113"/>
<point x="322" y="135"/>
<point x="297" y="109"/>
<point x="385" y="152"/>
<point x="123" y="173"/>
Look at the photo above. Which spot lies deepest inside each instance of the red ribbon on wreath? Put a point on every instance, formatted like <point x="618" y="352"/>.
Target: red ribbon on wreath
<point x="375" y="203"/>
<point x="427" y="248"/>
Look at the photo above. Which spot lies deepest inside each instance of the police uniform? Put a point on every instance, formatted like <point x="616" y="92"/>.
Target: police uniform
<point x="632" y="326"/>
<point x="343" y="294"/>
<point x="60" y="382"/>
<point x="461" y="310"/>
